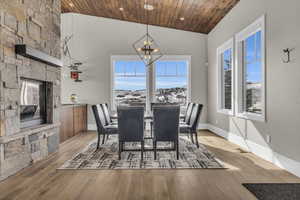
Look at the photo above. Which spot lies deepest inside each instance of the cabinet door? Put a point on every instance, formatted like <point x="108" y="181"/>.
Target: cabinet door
<point x="67" y="125"/>
<point x="84" y="112"/>
<point x="83" y="119"/>
<point x="79" y="119"/>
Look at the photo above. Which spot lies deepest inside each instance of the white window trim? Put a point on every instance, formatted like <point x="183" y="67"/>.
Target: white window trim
<point x="151" y="76"/>
<point x="258" y="25"/>
<point x="176" y="58"/>
<point x="227" y="45"/>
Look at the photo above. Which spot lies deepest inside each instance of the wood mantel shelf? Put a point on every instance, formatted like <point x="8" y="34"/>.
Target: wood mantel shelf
<point x="26" y="51"/>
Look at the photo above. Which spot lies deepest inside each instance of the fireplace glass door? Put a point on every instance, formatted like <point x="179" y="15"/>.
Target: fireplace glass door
<point x="32" y="103"/>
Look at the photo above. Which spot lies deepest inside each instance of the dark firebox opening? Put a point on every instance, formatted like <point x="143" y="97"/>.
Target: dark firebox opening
<point x="33" y="102"/>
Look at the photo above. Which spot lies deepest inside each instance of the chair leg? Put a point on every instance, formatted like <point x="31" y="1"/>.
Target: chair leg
<point x="142" y="151"/>
<point x="154" y="147"/>
<point x="192" y="138"/>
<point x="120" y="149"/>
<point x="151" y="125"/>
<point x="197" y="142"/>
<point x="98" y="142"/>
<point x="103" y="138"/>
<point x="177" y="150"/>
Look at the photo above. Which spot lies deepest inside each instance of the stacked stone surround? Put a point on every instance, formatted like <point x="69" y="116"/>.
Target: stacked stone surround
<point x="35" y="23"/>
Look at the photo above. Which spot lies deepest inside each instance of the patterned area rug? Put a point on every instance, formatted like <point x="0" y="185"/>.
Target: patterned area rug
<point x="106" y="157"/>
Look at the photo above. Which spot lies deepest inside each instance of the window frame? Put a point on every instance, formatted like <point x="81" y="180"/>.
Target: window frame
<point x="174" y="58"/>
<point x="229" y="44"/>
<point x="150" y="76"/>
<point x="240" y="38"/>
<point x="113" y="59"/>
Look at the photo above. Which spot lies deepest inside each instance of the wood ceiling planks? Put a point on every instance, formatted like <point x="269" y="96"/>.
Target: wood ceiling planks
<point x="199" y="15"/>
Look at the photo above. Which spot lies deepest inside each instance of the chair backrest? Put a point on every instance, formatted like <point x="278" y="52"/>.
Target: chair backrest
<point x="154" y="104"/>
<point x="131" y="123"/>
<point x="106" y="113"/>
<point x="137" y="104"/>
<point x="195" y="116"/>
<point x="166" y="122"/>
<point x="188" y="113"/>
<point x="99" y="116"/>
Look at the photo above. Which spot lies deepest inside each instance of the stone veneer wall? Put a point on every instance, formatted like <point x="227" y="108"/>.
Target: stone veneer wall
<point x="37" y="24"/>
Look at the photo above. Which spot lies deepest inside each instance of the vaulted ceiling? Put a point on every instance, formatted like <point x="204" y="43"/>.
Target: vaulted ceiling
<point x="191" y="15"/>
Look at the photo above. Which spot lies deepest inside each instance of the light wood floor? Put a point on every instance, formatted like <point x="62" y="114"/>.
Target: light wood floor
<point x="42" y="180"/>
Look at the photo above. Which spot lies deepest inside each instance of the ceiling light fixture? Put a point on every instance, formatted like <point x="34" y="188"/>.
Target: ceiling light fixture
<point x="71" y="5"/>
<point x="181" y="18"/>
<point x="146" y="48"/>
<point x="121" y="9"/>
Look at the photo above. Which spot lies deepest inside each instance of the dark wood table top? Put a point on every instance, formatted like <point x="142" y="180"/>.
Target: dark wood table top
<point x="146" y="116"/>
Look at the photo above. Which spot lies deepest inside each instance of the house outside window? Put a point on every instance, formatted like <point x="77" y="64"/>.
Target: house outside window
<point x="129" y="85"/>
<point x="171" y="82"/>
<point x="166" y="81"/>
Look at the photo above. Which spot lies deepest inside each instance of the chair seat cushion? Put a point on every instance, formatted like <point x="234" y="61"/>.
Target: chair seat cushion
<point x="114" y="123"/>
<point x="111" y="129"/>
<point x="184" y="128"/>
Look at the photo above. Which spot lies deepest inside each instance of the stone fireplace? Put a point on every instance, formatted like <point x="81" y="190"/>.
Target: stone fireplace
<point x="29" y="127"/>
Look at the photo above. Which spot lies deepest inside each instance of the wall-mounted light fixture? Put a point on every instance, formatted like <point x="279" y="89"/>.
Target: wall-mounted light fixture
<point x="287" y="52"/>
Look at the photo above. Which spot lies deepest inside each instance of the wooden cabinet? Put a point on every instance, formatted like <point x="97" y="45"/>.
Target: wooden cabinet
<point x="80" y="118"/>
<point x="66" y="123"/>
<point x="73" y="119"/>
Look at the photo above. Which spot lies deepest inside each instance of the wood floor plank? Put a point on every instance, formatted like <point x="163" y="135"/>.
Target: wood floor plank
<point x="42" y="180"/>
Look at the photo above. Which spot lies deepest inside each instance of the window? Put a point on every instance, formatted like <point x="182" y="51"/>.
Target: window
<point x="250" y="50"/>
<point x="167" y="81"/>
<point x="171" y="82"/>
<point x="225" y="77"/>
<point x="129" y="86"/>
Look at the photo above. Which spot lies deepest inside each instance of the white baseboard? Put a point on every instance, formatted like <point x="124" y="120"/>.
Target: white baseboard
<point x="203" y="126"/>
<point x="265" y="153"/>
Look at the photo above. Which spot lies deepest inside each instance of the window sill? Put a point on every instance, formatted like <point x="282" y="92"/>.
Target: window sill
<point x="252" y="116"/>
<point x="225" y="112"/>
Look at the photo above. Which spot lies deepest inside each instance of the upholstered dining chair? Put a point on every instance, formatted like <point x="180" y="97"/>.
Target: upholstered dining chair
<point x="155" y="104"/>
<point x="108" y="119"/>
<point x="102" y="127"/>
<point x="191" y="127"/>
<point x="131" y="126"/>
<point x="187" y="116"/>
<point x="165" y="126"/>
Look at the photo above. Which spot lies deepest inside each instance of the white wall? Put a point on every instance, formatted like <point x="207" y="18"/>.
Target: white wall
<point x="282" y="80"/>
<point x="96" y="39"/>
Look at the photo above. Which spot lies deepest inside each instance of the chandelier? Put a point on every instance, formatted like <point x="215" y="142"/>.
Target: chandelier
<point x="146" y="47"/>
